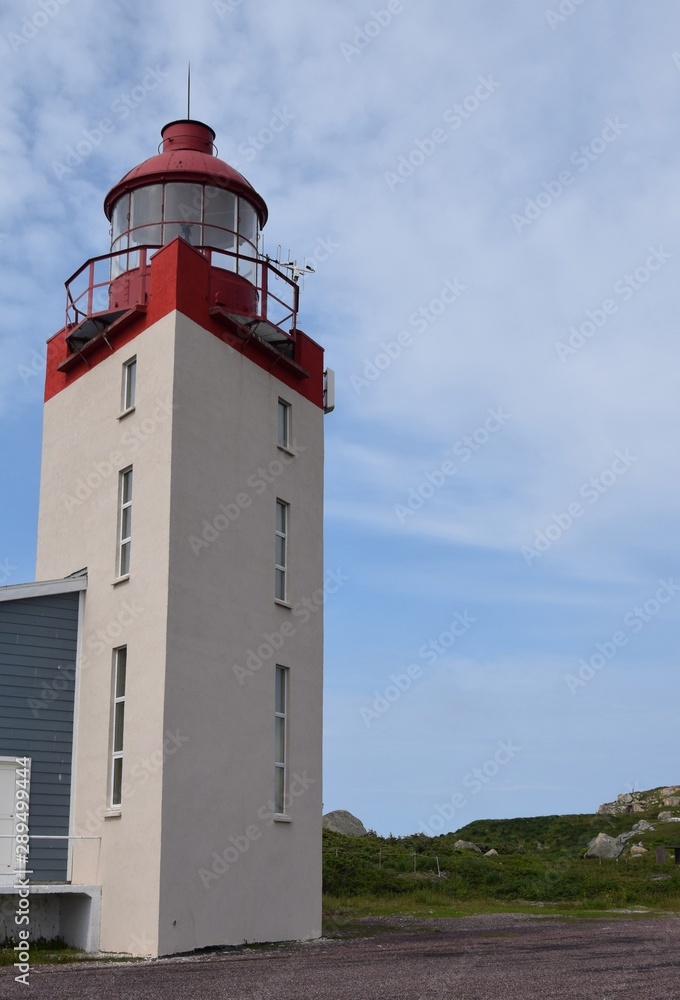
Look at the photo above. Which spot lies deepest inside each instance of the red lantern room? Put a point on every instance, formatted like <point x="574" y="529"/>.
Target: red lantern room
<point x="184" y="193"/>
<point x="187" y="191"/>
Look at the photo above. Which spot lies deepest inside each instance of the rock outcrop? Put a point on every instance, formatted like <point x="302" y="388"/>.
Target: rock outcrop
<point x="341" y="821"/>
<point x="466" y="845"/>
<point x="604" y="846"/>
<point x="636" y="802"/>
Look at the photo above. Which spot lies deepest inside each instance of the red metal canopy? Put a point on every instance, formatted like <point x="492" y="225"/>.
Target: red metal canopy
<point x="187" y="155"/>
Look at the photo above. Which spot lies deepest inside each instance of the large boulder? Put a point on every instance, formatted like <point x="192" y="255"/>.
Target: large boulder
<point x="341" y="821"/>
<point x="604" y="846"/>
<point x="641" y="826"/>
<point x="466" y="845"/>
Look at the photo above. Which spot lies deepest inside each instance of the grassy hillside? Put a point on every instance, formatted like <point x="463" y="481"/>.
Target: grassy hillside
<point x="540" y="859"/>
<point x="568" y="835"/>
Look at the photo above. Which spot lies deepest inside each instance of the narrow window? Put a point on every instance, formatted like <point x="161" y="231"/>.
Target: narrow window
<point x="129" y="384"/>
<point x="118" y="724"/>
<point x="284" y="424"/>
<point x="281" y="740"/>
<point x="281" y="549"/>
<point x="125" y="522"/>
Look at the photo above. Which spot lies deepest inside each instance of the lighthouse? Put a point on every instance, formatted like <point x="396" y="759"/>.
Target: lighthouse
<point x="181" y="507"/>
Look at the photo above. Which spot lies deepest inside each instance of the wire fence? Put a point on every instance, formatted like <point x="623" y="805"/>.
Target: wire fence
<point x="402" y="862"/>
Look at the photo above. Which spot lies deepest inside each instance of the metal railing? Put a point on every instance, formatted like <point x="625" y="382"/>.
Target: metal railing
<point x="87" y="290"/>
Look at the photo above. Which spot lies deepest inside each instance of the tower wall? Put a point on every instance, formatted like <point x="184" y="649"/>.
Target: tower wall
<point x="199" y="733"/>
<point x="218" y="788"/>
<point x="85" y="446"/>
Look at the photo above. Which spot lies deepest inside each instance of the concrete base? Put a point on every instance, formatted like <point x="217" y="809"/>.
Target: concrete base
<point x="71" y="912"/>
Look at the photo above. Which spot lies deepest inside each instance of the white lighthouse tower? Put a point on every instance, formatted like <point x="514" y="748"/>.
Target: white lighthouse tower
<point x="182" y="468"/>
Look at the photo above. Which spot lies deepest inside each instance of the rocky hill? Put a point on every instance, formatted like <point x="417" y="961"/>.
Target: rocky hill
<point x="635" y="820"/>
<point x="632" y="826"/>
<point x="639" y="802"/>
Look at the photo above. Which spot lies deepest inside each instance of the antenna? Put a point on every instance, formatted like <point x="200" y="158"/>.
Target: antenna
<point x="189" y="92"/>
<point x="296" y="269"/>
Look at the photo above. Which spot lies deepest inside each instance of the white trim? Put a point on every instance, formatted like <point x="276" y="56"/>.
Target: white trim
<point x="284" y="406"/>
<point x="48" y="588"/>
<point x="281" y="765"/>
<point x="124" y="541"/>
<point x="129" y="388"/>
<point x="10" y="878"/>
<point x="115" y="755"/>
<point x="74" y="735"/>
<point x="282" y="567"/>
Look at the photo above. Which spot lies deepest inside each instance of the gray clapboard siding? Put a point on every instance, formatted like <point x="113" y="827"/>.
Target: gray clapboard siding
<point x="38" y="644"/>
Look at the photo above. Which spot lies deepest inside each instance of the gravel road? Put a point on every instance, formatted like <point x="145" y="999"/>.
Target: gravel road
<point x="475" y="958"/>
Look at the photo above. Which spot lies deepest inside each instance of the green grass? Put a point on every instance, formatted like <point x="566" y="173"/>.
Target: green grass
<point x="628" y="882"/>
<point x="355" y="917"/>
<point x="55" y="952"/>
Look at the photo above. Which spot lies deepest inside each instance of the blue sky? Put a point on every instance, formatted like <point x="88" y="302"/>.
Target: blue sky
<point x="489" y="195"/>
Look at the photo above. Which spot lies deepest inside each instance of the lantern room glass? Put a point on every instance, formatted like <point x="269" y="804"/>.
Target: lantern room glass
<point x="146" y="205"/>
<point x="219" y="217"/>
<point x="203" y="215"/>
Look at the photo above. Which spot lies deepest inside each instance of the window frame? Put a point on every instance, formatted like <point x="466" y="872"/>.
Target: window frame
<point x="281" y="568"/>
<point x="281" y="766"/>
<point x="179" y="210"/>
<point x="124" y="541"/>
<point x="129" y="393"/>
<point x="120" y="658"/>
<point x="283" y="412"/>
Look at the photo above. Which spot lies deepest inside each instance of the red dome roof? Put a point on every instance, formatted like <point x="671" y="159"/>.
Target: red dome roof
<point x="187" y="155"/>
